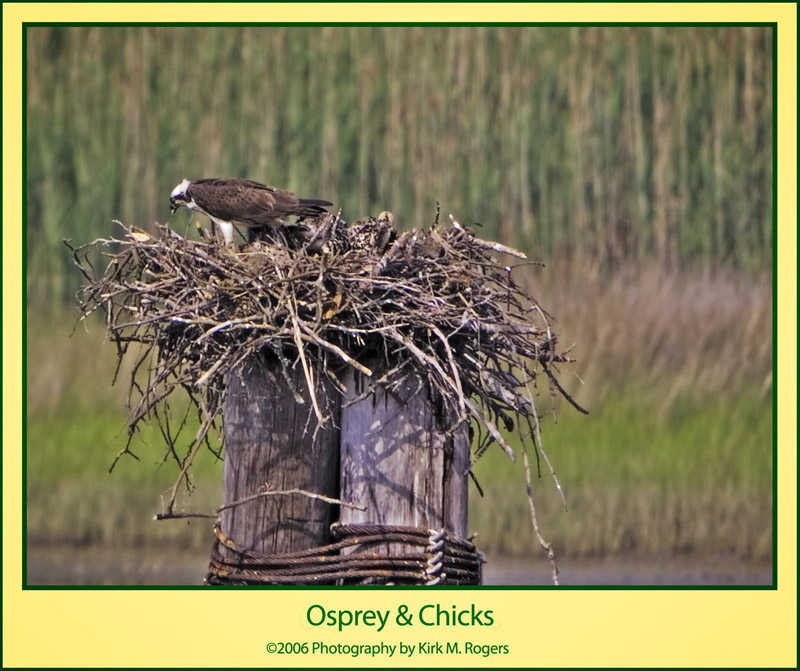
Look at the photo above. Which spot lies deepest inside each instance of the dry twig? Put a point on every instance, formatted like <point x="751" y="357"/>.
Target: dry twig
<point x="433" y="303"/>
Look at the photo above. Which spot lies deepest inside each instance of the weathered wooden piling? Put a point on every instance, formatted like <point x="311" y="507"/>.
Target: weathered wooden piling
<point x="271" y="443"/>
<point x="386" y="453"/>
<point x="398" y="461"/>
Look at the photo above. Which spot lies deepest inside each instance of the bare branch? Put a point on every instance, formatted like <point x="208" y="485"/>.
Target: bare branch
<point x="432" y="303"/>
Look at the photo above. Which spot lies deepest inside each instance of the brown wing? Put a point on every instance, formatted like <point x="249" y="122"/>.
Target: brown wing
<point x="286" y="203"/>
<point x="243" y="200"/>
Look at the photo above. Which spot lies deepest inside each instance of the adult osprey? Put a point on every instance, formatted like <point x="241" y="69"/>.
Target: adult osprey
<point x="242" y="201"/>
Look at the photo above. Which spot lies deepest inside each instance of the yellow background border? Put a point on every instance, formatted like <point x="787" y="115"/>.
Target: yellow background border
<point x="747" y="628"/>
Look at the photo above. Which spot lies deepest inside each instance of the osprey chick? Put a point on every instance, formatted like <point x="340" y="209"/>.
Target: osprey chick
<point x="242" y="201"/>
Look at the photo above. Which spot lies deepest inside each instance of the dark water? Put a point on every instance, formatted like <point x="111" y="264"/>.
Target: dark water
<point x="64" y="565"/>
<point x="678" y="572"/>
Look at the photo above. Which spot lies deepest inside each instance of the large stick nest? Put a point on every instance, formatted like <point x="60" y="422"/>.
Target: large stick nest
<point x="437" y="304"/>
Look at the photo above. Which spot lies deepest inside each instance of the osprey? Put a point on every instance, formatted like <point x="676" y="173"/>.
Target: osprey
<point x="242" y="201"/>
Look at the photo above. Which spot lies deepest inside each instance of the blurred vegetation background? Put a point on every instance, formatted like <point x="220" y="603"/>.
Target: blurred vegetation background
<point x="636" y="163"/>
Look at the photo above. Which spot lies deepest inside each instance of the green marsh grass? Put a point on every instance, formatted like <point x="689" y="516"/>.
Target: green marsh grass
<point x="611" y="143"/>
<point x="76" y="425"/>
<point x="640" y="484"/>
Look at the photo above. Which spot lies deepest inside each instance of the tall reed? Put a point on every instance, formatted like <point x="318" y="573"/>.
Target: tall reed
<point x="607" y="143"/>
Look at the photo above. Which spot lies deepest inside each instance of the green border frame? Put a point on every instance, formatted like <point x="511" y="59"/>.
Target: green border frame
<point x="678" y="24"/>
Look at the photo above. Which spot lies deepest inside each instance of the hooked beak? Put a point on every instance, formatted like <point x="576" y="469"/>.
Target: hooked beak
<point x="172" y="208"/>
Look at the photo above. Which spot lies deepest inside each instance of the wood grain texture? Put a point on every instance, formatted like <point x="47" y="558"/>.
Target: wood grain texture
<point x="397" y="461"/>
<point x="269" y="440"/>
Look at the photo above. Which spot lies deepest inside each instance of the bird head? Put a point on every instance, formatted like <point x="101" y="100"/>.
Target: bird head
<point x="178" y="197"/>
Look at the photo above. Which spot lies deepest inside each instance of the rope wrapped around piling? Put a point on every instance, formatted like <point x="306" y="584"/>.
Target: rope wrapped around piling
<point x="434" y="557"/>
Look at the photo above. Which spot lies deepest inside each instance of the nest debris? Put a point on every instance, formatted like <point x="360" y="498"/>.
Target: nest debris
<point x="434" y="303"/>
